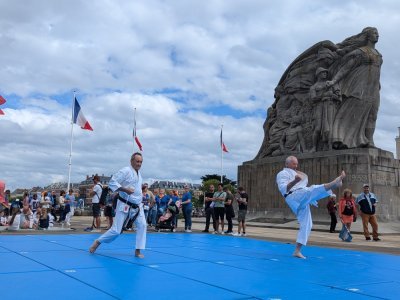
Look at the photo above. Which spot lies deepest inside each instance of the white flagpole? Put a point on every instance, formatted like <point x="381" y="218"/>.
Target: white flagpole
<point x="222" y="156"/>
<point x="70" y="150"/>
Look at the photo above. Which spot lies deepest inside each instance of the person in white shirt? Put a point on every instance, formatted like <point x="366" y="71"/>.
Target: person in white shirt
<point x="96" y="194"/>
<point x="128" y="182"/>
<point x="292" y="184"/>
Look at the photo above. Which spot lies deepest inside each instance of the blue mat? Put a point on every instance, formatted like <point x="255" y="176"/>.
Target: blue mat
<point x="190" y="266"/>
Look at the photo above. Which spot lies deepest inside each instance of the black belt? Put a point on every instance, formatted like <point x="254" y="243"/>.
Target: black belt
<point x="287" y="194"/>
<point x="133" y="205"/>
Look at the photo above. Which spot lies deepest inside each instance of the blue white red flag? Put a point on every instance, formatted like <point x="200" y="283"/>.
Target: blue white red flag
<point x="223" y="147"/>
<point x="79" y="118"/>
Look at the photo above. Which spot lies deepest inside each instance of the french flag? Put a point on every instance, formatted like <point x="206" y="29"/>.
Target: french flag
<point x="79" y="118"/>
<point x="223" y="147"/>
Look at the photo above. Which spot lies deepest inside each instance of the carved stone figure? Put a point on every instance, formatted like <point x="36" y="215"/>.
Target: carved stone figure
<point x="292" y="140"/>
<point x="338" y="113"/>
<point x="324" y="98"/>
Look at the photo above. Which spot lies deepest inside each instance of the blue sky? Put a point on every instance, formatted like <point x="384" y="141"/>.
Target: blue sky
<point x="188" y="67"/>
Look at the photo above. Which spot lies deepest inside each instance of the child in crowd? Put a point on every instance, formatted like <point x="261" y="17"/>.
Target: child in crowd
<point x="27" y="216"/>
<point x="43" y="219"/>
<point x="3" y="218"/>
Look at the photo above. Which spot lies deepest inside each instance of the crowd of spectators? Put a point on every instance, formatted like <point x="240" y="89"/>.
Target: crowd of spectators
<point x="36" y="210"/>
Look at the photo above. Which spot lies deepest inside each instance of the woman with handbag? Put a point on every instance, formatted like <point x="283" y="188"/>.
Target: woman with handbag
<point x="347" y="208"/>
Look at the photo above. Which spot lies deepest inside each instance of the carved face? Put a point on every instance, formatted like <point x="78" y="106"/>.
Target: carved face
<point x="373" y="35"/>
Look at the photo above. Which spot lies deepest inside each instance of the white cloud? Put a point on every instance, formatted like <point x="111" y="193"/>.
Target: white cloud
<point x="223" y="54"/>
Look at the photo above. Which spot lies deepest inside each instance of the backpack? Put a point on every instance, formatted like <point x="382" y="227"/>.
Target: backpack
<point x="104" y="194"/>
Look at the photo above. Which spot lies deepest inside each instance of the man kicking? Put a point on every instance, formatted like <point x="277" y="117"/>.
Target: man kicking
<point x="293" y="186"/>
<point x="128" y="182"/>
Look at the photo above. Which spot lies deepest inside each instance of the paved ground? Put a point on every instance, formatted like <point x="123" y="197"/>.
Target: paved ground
<point x="390" y="234"/>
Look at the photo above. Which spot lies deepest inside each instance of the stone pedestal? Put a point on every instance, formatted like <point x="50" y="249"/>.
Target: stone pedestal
<point x="365" y="165"/>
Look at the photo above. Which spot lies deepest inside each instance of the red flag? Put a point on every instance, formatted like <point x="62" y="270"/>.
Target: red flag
<point x="138" y="143"/>
<point x="2" y="100"/>
<point x="223" y="147"/>
<point x="134" y="133"/>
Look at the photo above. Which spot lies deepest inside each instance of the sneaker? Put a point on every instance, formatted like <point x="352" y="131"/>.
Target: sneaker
<point x="222" y="232"/>
<point x="214" y="232"/>
<point x="237" y="234"/>
<point x="368" y="238"/>
<point x="96" y="230"/>
<point x="377" y="239"/>
<point x="244" y="234"/>
<point x="174" y="230"/>
<point x="88" y="229"/>
<point x="205" y="230"/>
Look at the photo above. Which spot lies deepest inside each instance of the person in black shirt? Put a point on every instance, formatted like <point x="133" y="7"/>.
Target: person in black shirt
<point x="209" y="209"/>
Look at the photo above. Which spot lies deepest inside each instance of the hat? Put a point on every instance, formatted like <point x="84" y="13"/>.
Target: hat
<point x="319" y="70"/>
<point x="365" y="185"/>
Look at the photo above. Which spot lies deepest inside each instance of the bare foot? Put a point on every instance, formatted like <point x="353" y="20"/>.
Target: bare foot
<point x="299" y="255"/>
<point x="338" y="181"/>
<point x="94" y="246"/>
<point x="138" y="254"/>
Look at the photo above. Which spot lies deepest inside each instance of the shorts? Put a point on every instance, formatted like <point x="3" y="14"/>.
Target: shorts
<point x="242" y="215"/>
<point x="109" y="211"/>
<point x="96" y="209"/>
<point x="219" y="213"/>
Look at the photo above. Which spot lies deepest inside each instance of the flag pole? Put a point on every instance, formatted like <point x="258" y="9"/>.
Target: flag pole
<point x="70" y="150"/>
<point x="222" y="157"/>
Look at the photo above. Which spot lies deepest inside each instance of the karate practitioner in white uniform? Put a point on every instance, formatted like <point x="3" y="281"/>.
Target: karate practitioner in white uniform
<point x="293" y="186"/>
<point x="128" y="182"/>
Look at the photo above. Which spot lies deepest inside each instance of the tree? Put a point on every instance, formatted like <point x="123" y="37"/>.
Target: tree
<point x="225" y="181"/>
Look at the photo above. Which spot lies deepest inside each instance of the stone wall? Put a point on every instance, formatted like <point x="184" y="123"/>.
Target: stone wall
<point x="364" y="165"/>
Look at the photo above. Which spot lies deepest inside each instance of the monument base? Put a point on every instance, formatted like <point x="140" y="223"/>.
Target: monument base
<point x="365" y="165"/>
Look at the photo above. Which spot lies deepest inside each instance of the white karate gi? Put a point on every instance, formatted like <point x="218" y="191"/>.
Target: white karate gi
<point x="299" y="200"/>
<point x="127" y="177"/>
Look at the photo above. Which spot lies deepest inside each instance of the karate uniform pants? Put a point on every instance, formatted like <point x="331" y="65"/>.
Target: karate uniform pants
<point x="299" y="202"/>
<point x="115" y="230"/>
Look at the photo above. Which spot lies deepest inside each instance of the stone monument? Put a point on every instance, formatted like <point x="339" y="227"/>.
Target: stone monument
<point x="325" y="111"/>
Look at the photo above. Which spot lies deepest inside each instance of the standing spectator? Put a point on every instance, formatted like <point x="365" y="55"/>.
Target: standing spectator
<point x="367" y="202"/>
<point x="347" y="208"/>
<point x="95" y="194"/>
<point x="128" y="182"/>
<point x="70" y="206"/>
<point x="55" y="207"/>
<point x="208" y="199"/>
<point x="243" y="200"/>
<point x="187" y="208"/>
<point x="229" y="212"/>
<point x="153" y="209"/>
<point x="6" y="203"/>
<point x="219" y="208"/>
<point x="331" y="206"/>
<point x="25" y="200"/>
<point x="146" y="200"/>
<point x="34" y="203"/>
<point x="174" y="201"/>
<point x="61" y="203"/>
<point x="4" y="198"/>
<point x="109" y="211"/>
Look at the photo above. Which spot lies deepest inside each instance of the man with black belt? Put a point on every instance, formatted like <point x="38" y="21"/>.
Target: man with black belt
<point x="128" y="183"/>
<point x="367" y="202"/>
<point x="293" y="186"/>
<point x="208" y="209"/>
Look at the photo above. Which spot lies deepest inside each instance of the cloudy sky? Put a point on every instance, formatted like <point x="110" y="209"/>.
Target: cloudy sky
<point x="186" y="66"/>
